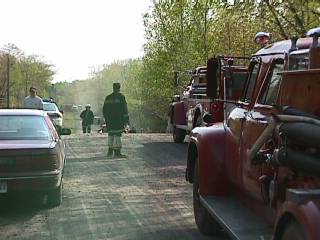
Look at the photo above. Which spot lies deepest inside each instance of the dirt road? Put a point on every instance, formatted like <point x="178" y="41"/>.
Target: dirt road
<point x="143" y="196"/>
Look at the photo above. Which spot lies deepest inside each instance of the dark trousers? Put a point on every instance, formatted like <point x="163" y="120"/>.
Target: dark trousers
<point x="86" y="128"/>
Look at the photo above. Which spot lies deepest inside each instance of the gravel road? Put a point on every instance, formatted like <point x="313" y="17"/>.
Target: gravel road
<point x="143" y="196"/>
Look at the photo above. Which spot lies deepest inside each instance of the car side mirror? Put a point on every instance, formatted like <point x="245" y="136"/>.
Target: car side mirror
<point x="65" y="131"/>
<point x="61" y="111"/>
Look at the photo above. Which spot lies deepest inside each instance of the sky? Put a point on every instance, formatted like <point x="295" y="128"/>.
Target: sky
<point x="75" y="35"/>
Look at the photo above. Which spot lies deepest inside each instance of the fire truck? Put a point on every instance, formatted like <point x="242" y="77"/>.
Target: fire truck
<point x="256" y="174"/>
<point x="193" y="108"/>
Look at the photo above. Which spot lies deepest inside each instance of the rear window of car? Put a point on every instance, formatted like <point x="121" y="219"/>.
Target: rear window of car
<point x="23" y="128"/>
<point x="49" y="107"/>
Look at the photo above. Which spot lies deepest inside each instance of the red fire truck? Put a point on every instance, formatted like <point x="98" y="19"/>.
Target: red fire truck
<point x="189" y="110"/>
<point x="257" y="174"/>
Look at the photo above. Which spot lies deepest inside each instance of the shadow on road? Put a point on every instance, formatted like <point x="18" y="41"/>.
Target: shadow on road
<point x="20" y="207"/>
<point x="160" y="154"/>
<point x="155" y="153"/>
<point x="174" y="233"/>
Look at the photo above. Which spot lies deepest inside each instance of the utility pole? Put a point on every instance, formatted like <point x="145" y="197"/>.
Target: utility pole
<point x="8" y="81"/>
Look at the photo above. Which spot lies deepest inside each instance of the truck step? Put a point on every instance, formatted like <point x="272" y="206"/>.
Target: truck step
<point x="238" y="221"/>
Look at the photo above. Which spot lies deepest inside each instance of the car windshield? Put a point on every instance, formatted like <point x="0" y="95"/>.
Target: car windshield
<point x="49" y="106"/>
<point x="23" y="128"/>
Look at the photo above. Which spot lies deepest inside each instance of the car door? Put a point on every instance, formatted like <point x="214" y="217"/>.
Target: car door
<point x="256" y="120"/>
<point x="234" y="126"/>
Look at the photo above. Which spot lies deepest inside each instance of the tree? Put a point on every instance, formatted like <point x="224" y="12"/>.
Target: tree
<point x="24" y="71"/>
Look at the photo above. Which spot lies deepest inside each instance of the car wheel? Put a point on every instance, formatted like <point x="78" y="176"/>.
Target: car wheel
<point x="293" y="231"/>
<point x="55" y="196"/>
<point x="178" y="135"/>
<point x="205" y="222"/>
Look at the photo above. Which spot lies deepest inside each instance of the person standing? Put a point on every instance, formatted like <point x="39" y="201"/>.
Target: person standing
<point x="87" y="119"/>
<point x="33" y="101"/>
<point x="115" y="112"/>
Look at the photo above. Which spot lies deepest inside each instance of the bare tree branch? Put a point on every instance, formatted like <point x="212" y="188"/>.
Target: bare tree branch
<point x="315" y="12"/>
<point x="298" y="20"/>
<point x="276" y="18"/>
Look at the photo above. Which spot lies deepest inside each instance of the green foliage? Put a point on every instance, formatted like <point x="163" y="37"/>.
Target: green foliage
<point x="24" y="72"/>
<point x="181" y="35"/>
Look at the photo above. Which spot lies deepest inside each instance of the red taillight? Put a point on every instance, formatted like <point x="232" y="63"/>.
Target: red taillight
<point x="33" y="163"/>
<point x="214" y="107"/>
<point x="29" y="160"/>
<point x="46" y="162"/>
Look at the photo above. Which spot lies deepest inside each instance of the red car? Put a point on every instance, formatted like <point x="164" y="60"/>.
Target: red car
<point x="32" y="154"/>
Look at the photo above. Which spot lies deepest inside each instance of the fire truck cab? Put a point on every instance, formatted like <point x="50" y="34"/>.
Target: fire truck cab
<point x="194" y="108"/>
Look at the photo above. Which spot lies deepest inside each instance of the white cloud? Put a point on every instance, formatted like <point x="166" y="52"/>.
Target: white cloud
<point x="75" y="34"/>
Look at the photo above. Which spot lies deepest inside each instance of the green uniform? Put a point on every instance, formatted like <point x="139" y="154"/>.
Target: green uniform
<point x="87" y="119"/>
<point x="115" y="112"/>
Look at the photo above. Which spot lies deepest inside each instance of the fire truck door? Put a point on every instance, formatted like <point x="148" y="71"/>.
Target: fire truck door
<point x="256" y="121"/>
<point x="253" y="126"/>
<point x="233" y="128"/>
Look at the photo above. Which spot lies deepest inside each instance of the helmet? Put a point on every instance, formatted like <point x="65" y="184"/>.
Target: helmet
<point x="88" y="105"/>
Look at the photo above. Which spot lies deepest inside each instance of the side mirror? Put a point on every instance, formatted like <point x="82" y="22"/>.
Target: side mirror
<point x="61" y="111"/>
<point x="208" y="118"/>
<point x="212" y="80"/>
<point x="65" y="131"/>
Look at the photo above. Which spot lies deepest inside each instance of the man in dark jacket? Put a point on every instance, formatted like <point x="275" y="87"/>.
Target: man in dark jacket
<point x="87" y="119"/>
<point x="115" y="112"/>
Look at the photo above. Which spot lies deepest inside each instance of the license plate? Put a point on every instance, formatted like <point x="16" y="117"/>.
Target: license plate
<point x="3" y="187"/>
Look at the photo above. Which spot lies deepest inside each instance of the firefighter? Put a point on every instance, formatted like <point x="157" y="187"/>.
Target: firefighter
<point x="87" y="119"/>
<point x="115" y="112"/>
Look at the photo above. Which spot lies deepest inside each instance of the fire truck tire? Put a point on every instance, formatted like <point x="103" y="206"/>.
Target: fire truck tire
<point x="205" y="222"/>
<point x="293" y="231"/>
<point x="178" y="135"/>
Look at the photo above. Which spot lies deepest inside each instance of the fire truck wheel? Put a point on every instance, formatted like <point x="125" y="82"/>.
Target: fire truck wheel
<point x="178" y="135"/>
<point x="293" y="231"/>
<point x="205" y="222"/>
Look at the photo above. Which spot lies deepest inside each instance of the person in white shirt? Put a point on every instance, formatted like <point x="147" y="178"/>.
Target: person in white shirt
<point x="33" y="101"/>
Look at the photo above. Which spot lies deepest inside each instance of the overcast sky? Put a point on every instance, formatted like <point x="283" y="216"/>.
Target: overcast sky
<point x="75" y="35"/>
